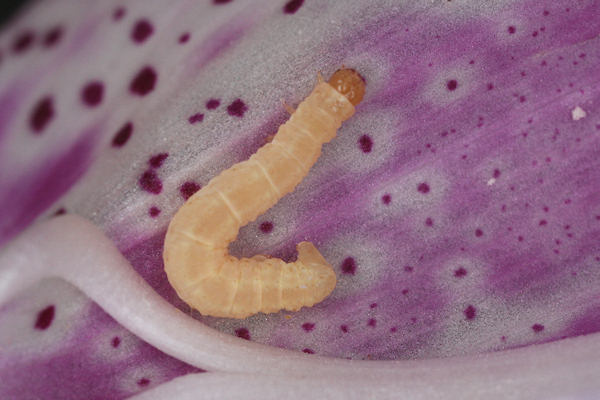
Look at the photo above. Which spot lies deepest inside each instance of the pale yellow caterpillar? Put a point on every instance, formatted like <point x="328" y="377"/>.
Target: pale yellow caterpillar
<point x="195" y="255"/>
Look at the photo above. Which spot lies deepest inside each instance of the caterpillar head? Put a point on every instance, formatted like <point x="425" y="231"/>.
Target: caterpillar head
<point x="349" y="83"/>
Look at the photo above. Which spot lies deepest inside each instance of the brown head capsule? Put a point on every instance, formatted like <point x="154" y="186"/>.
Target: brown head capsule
<point x="349" y="83"/>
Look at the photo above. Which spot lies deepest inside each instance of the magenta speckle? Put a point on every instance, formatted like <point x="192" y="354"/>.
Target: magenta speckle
<point x="150" y="182"/>
<point x="537" y="327"/>
<point x="118" y="14"/>
<point x="373" y="305"/>
<point x="408" y="268"/>
<point x="221" y="1"/>
<point x="266" y="227"/>
<point x="213" y="104"/>
<point x="242" y="333"/>
<point x="349" y="266"/>
<point x="372" y="323"/>
<point x="543" y="222"/>
<point x="308" y="351"/>
<point x="92" y="93"/>
<point x="292" y="6"/>
<point x="404" y="292"/>
<point x="511" y="29"/>
<point x="53" y="36"/>
<point x="122" y="135"/>
<point x="429" y="221"/>
<point x="23" y="42"/>
<point x="115" y="342"/>
<point x="237" y="108"/>
<point x="452" y="84"/>
<point x="496" y="174"/>
<point x="386" y="199"/>
<point x="141" y="31"/>
<point x="344" y="328"/>
<point x="308" y="326"/>
<point x="143" y="82"/>
<point x="470" y="312"/>
<point x="423" y="188"/>
<point x="154" y="211"/>
<point x="188" y="189"/>
<point x="44" y="318"/>
<point x="198" y="117"/>
<point x="41" y="114"/>
<point x="478" y="232"/>
<point x="143" y="382"/>
<point x="158" y="160"/>
<point x="365" y="143"/>
<point x="460" y="272"/>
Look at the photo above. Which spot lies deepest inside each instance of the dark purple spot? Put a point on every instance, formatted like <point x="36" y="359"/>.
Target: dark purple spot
<point x="490" y="86"/>
<point x="213" y="104"/>
<point x="429" y="221"/>
<point x="242" y="333"/>
<point x="452" y="84"/>
<point x="537" y="327"/>
<point x="144" y="81"/>
<point x="512" y="29"/>
<point x="546" y="13"/>
<point x="150" y="182"/>
<point x="143" y="382"/>
<point x="386" y="199"/>
<point x="460" y="272"/>
<point x="543" y="222"/>
<point x="266" y="227"/>
<point x="408" y="268"/>
<point x="365" y="143"/>
<point x="308" y="351"/>
<point x="53" y="36"/>
<point x="372" y="322"/>
<point x="116" y="341"/>
<point x="198" y="117"/>
<point x="188" y="189"/>
<point x="534" y="33"/>
<point x="221" y="1"/>
<point x="292" y="6"/>
<point x="92" y="93"/>
<point x="423" y="188"/>
<point x="237" y="108"/>
<point x="393" y="329"/>
<point x="154" y="211"/>
<point x="496" y="173"/>
<point x="118" y="13"/>
<point x="344" y="328"/>
<point x="373" y="305"/>
<point x="141" y="31"/>
<point x="404" y="291"/>
<point x="158" y="160"/>
<point x="522" y="99"/>
<point x="308" y="326"/>
<point x="478" y="232"/>
<point x="122" y="135"/>
<point x="470" y="312"/>
<point x="60" y="211"/>
<point x="44" y="318"/>
<point x="42" y="113"/>
<point x="23" y="42"/>
<point x="184" y="37"/>
<point x="349" y="266"/>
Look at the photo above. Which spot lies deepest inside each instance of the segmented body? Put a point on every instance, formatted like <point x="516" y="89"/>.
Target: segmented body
<point x="195" y="255"/>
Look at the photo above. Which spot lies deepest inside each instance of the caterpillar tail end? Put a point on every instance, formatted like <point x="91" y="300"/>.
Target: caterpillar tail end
<point x="350" y="83"/>
<point x="324" y="279"/>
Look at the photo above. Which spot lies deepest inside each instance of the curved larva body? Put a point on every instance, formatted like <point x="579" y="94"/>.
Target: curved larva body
<point x="197" y="263"/>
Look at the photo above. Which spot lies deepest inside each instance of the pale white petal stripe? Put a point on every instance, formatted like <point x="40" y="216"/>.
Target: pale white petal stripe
<point x="74" y="249"/>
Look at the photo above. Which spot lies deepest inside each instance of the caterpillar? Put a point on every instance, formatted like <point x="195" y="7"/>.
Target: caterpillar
<point x="195" y="254"/>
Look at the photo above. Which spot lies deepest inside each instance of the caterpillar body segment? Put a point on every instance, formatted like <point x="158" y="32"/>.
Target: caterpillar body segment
<point x="195" y="254"/>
